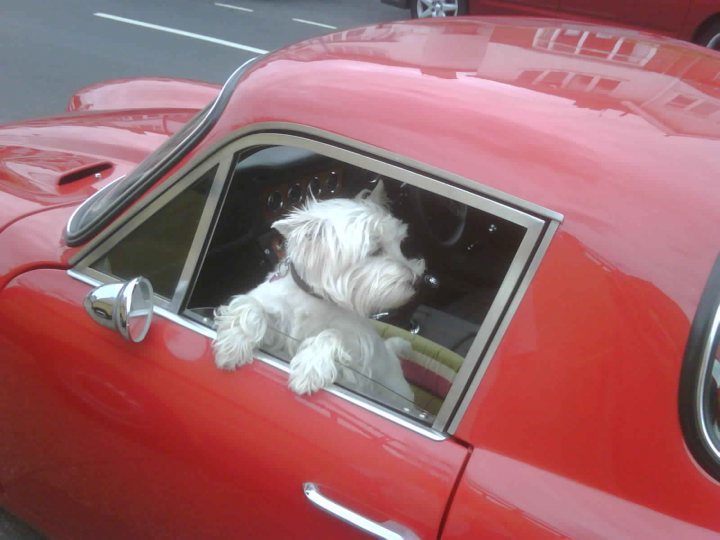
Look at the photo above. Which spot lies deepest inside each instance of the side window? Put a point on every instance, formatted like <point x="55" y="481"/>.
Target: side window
<point x="158" y="247"/>
<point x="700" y="379"/>
<point x="456" y="254"/>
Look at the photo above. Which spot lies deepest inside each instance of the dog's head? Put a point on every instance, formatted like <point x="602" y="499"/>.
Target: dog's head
<point x="348" y="251"/>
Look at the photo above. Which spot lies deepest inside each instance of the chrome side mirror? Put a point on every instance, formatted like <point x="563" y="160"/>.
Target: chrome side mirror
<point x="125" y="307"/>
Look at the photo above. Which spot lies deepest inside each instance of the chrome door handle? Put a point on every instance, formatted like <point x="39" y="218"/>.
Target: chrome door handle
<point x="353" y="518"/>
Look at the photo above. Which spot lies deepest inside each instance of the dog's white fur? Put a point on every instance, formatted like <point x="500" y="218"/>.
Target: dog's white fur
<point x="348" y="252"/>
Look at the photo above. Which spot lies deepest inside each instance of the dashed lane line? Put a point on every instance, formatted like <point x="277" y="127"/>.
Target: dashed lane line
<point x="230" y="6"/>
<point x="183" y="33"/>
<point x="322" y="25"/>
<point x="303" y="21"/>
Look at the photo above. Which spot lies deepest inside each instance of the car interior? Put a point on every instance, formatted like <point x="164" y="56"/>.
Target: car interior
<point x="467" y="253"/>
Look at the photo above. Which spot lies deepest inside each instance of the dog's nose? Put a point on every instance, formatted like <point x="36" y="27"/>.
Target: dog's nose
<point x="425" y="279"/>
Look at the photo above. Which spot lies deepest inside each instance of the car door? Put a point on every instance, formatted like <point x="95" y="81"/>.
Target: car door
<point x="666" y="16"/>
<point x="528" y="7"/>
<point x="661" y="15"/>
<point x="105" y="438"/>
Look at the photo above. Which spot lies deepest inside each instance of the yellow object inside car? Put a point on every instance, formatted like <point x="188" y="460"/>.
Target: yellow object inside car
<point x="430" y="368"/>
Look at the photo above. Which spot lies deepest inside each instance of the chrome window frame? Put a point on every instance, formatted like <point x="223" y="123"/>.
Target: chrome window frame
<point x="539" y="223"/>
<point x="705" y="373"/>
<point x="696" y="378"/>
<point x="77" y="231"/>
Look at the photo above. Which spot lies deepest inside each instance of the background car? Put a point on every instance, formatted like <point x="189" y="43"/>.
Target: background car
<point x="693" y="20"/>
<point x="559" y="179"/>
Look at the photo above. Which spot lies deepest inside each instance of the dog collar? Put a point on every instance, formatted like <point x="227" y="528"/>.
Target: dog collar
<point x="301" y="283"/>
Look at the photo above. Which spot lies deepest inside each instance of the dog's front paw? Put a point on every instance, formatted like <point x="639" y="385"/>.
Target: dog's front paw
<point x="315" y="365"/>
<point x="232" y="356"/>
<point x="241" y="326"/>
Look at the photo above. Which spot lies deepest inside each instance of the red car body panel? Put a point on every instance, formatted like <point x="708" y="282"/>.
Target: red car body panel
<point x="569" y="148"/>
<point x="51" y="162"/>
<point x="183" y="450"/>
<point x="573" y="430"/>
<point x="625" y="383"/>
<point x="144" y="93"/>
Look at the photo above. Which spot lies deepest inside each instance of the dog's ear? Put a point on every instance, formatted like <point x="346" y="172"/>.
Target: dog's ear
<point x="284" y="226"/>
<point x="377" y="195"/>
<point x="301" y="224"/>
<point x="297" y="221"/>
<point x="310" y="242"/>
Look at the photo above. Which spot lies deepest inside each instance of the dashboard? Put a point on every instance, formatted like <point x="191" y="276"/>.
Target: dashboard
<point x="278" y="199"/>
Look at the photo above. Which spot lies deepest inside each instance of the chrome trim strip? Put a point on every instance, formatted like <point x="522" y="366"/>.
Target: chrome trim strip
<point x="370" y="406"/>
<point x="343" y="513"/>
<point x="85" y="279"/>
<point x="373" y="152"/>
<point x="484" y="362"/>
<point x="196" y="247"/>
<point x="69" y="224"/>
<point x="700" y="397"/>
<point x="262" y="128"/>
<point x="396" y="172"/>
<point x="489" y="326"/>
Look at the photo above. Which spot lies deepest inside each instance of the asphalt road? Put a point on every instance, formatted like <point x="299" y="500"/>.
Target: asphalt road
<point x="52" y="48"/>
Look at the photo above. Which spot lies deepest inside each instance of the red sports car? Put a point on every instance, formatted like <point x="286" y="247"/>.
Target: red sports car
<point x="560" y="182"/>
<point x="692" y="20"/>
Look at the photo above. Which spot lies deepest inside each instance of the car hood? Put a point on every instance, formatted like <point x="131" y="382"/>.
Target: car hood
<point x="60" y="161"/>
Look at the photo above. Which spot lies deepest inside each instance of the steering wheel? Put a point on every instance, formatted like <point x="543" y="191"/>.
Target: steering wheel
<point x="442" y="219"/>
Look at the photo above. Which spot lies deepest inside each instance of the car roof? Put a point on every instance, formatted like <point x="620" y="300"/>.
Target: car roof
<point x="616" y="129"/>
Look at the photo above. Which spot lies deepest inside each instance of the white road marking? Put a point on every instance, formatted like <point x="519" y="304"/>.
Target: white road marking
<point x="316" y="24"/>
<point x="229" y="6"/>
<point x="182" y="33"/>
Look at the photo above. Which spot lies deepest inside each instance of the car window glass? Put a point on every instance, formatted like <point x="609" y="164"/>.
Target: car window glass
<point x="467" y="253"/>
<point x="158" y="248"/>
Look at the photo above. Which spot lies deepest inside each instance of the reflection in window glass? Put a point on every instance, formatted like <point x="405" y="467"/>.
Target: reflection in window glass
<point x="157" y="249"/>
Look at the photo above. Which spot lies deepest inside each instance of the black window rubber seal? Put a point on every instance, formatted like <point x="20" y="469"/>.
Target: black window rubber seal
<point x="78" y="236"/>
<point x="698" y="442"/>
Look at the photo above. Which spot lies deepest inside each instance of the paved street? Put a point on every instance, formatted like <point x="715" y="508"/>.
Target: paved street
<point x="49" y="51"/>
<point x="52" y="48"/>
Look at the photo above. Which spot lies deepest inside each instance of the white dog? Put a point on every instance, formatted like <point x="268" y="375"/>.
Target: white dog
<point x="343" y="263"/>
